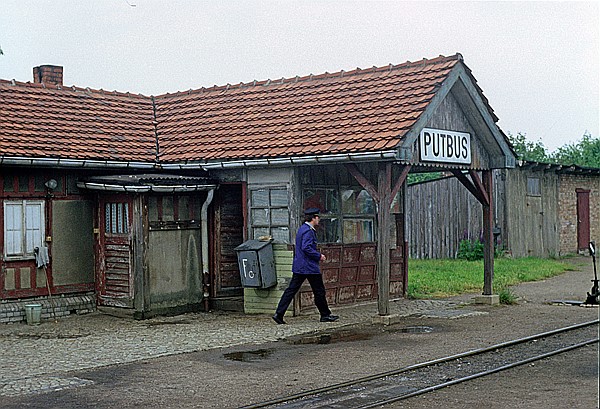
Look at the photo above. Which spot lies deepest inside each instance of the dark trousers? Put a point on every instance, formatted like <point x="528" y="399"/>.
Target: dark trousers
<point x="318" y="289"/>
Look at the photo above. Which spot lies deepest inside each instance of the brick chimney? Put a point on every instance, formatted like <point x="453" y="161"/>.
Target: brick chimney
<point x="48" y="74"/>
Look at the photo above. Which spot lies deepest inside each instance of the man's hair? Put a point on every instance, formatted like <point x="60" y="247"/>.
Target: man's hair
<point x="309" y="217"/>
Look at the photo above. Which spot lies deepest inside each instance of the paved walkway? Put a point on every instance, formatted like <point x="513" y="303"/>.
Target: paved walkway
<point x="35" y="359"/>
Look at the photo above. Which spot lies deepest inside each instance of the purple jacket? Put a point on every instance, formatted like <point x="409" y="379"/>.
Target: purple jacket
<point x="306" y="256"/>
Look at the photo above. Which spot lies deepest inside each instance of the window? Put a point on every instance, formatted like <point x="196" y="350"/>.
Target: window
<point x="347" y="214"/>
<point x="23" y="227"/>
<point x="116" y="218"/>
<point x="533" y="187"/>
<point x="270" y="214"/>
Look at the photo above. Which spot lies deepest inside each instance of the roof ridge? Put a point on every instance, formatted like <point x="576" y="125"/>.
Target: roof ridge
<point x="310" y="77"/>
<point x="315" y="77"/>
<point x="72" y="88"/>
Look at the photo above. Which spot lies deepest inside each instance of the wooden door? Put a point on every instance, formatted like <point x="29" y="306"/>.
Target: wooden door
<point x="114" y="283"/>
<point x="583" y="219"/>
<point x="228" y="233"/>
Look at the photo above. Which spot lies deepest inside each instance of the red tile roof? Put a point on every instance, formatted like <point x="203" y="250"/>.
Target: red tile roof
<point x="75" y="123"/>
<point x="345" y="112"/>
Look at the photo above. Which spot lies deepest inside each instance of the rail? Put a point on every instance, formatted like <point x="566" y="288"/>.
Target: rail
<point x="387" y="387"/>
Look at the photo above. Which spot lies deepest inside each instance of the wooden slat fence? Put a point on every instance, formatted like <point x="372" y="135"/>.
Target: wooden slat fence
<point x="439" y="215"/>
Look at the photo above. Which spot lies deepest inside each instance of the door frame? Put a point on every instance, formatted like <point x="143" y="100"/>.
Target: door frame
<point x="215" y="288"/>
<point x="583" y="218"/>
<point x="101" y="298"/>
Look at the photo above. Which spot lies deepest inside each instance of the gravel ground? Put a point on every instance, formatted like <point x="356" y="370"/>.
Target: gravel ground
<point x="207" y="380"/>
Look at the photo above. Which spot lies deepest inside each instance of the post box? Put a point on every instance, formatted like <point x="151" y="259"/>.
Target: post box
<point x="256" y="264"/>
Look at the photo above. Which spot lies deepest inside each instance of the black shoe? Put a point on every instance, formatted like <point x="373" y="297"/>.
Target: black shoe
<point x="278" y="319"/>
<point x="329" y="318"/>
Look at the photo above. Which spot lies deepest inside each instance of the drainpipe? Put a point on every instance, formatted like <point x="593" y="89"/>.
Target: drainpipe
<point x="204" y="228"/>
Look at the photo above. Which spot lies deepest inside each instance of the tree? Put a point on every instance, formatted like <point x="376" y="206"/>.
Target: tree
<point x="422" y="177"/>
<point x="527" y="150"/>
<point x="585" y="152"/>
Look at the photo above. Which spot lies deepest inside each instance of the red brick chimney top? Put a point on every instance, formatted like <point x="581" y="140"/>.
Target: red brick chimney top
<point x="48" y="74"/>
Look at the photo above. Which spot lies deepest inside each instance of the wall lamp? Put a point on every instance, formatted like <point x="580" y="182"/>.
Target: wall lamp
<point x="51" y="184"/>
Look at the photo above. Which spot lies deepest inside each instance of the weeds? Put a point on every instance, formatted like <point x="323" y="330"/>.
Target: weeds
<point x="507" y="296"/>
<point x="470" y="250"/>
<point x="473" y="250"/>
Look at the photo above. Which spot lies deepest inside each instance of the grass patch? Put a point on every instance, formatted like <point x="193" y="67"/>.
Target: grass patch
<point x="445" y="278"/>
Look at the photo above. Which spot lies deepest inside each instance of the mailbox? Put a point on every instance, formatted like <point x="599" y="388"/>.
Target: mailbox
<point x="257" y="264"/>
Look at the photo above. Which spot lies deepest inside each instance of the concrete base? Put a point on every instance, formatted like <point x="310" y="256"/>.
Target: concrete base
<point x="493" y="299"/>
<point x="234" y="304"/>
<point x="386" y="319"/>
<point x="116" y="312"/>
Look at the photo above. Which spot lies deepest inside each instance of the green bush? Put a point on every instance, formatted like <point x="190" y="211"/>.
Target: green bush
<point x="470" y="250"/>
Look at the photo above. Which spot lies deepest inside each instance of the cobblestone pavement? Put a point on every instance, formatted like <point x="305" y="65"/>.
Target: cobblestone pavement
<point x="37" y="359"/>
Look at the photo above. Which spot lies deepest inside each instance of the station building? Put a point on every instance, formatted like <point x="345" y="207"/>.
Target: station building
<point x="139" y="201"/>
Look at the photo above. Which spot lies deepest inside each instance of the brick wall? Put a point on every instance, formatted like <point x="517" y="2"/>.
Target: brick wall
<point x="567" y="209"/>
<point x="14" y="311"/>
<point x="48" y="74"/>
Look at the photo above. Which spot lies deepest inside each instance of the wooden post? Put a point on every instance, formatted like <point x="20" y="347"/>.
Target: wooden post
<point x="384" y="178"/>
<point x="139" y="228"/>
<point x="383" y="195"/>
<point x="488" y="236"/>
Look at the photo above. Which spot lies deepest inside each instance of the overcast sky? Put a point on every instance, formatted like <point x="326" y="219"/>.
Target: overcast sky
<point x="537" y="62"/>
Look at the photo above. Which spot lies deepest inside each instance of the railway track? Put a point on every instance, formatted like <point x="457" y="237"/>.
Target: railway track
<point x="391" y="386"/>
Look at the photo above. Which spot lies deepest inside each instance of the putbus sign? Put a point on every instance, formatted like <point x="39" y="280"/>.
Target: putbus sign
<point x="436" y="145"/>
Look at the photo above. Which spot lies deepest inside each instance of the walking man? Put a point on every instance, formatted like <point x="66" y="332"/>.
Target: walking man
<point x="306" y="266"/>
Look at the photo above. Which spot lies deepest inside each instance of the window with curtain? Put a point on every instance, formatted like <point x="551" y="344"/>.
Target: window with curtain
<point x="116" y="218"/>
<point x="23" y="227"/>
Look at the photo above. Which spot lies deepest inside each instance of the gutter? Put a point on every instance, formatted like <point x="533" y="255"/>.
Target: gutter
<point x="74" y="163"/>
<point x="144" y="188"/>
<point x="204" y="249"/>
<point x="292" y="160"/>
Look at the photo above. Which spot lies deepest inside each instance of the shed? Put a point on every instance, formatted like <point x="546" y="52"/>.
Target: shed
<point x="541" y="210"/>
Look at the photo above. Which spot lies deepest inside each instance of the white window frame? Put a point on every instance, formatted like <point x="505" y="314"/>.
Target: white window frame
<point x="30" y="235"/>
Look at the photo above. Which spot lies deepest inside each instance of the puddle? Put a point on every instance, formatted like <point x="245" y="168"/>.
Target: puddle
<point x="327" y="338"/>
<point x="248" y="356"/>
<point x="419" y="329"/>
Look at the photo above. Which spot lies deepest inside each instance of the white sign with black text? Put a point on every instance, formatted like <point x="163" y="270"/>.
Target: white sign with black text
<point x="437" y="145"/>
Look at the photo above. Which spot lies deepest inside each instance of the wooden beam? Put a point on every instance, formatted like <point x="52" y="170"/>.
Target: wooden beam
<point x="469" y="185"/>
<point x="399" y="182"/>
<point x="364" y="182"/>
<point x="488" y="236"/>
<point x="384" y="182"/>
<point x="479" y="186"/>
